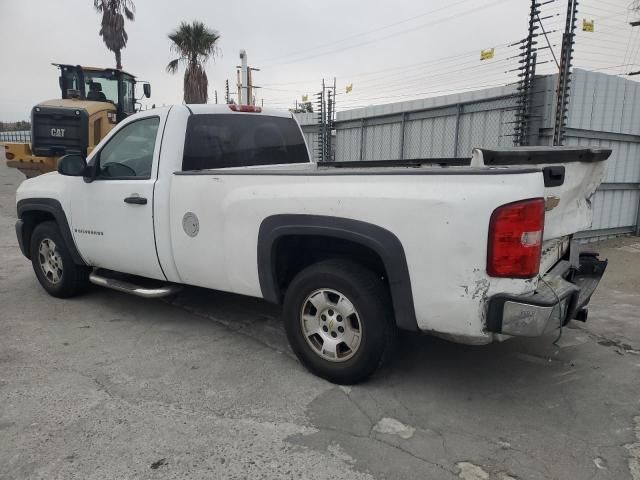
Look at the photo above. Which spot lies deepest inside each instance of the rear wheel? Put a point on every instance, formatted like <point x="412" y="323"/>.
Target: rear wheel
<point x="53" y="265"/>
<point x="338" y="320"/>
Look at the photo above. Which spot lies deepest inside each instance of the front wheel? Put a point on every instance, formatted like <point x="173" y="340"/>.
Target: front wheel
<point x="53" y="265"/>
<point x="338" y="320"/>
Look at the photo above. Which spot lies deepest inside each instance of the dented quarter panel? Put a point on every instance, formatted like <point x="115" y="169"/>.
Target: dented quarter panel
<point x="441" y="221"/>
<point x="574" y="211"/>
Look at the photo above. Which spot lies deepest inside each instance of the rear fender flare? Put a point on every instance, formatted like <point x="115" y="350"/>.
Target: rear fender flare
<point x="383" y="242"/>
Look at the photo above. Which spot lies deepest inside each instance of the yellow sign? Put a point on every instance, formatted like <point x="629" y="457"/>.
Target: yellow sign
<point x="305" y="98"/>
<point x="587" y="25"/>
<point x="487" y="54"/>
<point x="349" y="88"/>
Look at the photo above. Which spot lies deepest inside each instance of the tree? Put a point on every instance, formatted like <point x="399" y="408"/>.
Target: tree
<point x="194" y="44"/>
<point x="112" y="26"/>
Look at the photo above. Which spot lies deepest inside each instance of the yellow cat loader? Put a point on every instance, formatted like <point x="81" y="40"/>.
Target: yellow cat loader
<point x="92" y="101"/>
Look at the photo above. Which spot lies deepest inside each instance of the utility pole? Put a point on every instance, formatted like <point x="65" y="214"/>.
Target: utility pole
<point x="216" y="95"/>
<point x="226" y="91"/>
<point x="246" y="95"/>
<point x="244" y="79"/>
<point x="321" y="121"/>
<point x="249" y="88"/>
<point x="325" y="108"/>
<point x="634" y="23"/>
<point x="564" y="75"/>
<point x="527" y="75"/>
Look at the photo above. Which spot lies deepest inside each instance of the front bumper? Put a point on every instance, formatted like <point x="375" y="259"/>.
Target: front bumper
<point x="562" y="295"/>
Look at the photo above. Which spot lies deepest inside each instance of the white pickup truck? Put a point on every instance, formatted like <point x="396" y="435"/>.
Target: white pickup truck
<point x="226" y="198"/>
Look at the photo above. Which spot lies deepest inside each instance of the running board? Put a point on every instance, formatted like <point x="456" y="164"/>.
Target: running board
<point x="137" y="290"/>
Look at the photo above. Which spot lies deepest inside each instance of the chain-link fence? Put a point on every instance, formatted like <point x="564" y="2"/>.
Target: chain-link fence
<point x="441" y="132"/>
<point x="9" y="133"/>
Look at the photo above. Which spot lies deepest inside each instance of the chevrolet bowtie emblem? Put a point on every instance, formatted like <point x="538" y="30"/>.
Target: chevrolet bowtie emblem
<point x="550" y="203"/>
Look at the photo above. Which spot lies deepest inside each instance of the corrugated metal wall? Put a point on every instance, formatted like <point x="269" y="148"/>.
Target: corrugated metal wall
<point x="446" y="126"/>
<point x="604" y="112"/>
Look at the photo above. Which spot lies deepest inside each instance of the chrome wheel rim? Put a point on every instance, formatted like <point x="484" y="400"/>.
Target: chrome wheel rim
<point x="331" y="325"/>
<point x="50" y="260"/>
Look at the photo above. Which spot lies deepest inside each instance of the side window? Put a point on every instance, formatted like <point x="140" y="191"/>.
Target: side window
<point x="128" y="97"/>
<point x="129" y="153"/>
<point x="223" y="141"/>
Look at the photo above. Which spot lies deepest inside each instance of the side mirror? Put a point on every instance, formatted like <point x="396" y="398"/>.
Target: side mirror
<point x="146" y="88"/>
<point x="72" y="165"/>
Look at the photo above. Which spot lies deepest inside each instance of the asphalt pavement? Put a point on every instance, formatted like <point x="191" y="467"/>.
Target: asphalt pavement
<point x="204" y="386"/>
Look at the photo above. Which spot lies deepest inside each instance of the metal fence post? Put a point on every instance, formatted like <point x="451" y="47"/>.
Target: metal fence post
<point x="638" y="219"/>
<point x="457" y="131"/>
<point x="361" y="139"/>
<point x="402" y="136"/>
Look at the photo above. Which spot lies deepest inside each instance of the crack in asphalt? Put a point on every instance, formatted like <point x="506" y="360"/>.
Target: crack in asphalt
<point x="239" y="330"/>
<point x="609" y="342"/>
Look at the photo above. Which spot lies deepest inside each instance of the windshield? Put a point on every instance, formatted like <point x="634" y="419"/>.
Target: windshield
<point x="101" y="87"/>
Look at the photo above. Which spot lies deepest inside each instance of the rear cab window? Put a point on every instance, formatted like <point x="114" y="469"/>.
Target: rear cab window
<point x="240" y="140"/>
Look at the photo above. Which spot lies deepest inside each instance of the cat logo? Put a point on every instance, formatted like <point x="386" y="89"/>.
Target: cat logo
<point x="57" y="132"/>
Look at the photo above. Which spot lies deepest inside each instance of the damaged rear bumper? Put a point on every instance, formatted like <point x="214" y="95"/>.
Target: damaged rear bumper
<point x="562" y="295"/>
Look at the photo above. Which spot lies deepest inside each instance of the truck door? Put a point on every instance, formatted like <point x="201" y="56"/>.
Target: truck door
<point x="112" y="217"/>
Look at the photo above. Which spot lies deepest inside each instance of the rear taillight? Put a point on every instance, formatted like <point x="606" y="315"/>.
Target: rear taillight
<point x="515" y="239"/>
<point x="245" y="108"/>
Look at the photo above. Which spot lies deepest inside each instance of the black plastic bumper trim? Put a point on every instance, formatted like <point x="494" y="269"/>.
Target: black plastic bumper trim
<point x="582" y="283"/>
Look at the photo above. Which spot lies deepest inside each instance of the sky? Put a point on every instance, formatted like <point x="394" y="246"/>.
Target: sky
<point x="388" y="51"/>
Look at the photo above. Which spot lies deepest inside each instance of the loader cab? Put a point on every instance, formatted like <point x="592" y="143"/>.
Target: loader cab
<point x="101" y="85"/>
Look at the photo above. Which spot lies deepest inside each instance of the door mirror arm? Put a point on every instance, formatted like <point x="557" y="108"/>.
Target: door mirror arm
<point x="89" y="172"/>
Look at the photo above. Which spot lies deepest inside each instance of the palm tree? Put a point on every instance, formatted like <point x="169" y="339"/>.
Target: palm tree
<point x="112" y="26"/>
<point x="194" y="44"/>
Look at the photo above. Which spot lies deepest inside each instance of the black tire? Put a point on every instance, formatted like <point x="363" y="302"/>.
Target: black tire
<point x="369" y="296"/>
<point x="72" y="279"/>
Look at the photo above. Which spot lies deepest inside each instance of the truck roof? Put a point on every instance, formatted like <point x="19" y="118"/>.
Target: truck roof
<point x="209" y="108"/>
<point x="93" y="69"/>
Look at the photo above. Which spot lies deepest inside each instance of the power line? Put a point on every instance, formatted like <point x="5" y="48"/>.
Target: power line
<point x="384" y="27"/>
<point x="404" y="67"/>
<point x="379" y="39"/>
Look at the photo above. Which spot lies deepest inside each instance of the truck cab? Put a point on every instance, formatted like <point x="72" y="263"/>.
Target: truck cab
<point x="100" y="85"/>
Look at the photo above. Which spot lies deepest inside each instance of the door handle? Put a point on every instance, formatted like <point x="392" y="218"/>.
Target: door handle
<point x="553" y="176"/>
<point x="136" y="200"/>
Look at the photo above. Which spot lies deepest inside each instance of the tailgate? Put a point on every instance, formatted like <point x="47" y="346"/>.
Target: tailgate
<point x="571" y="176"/>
